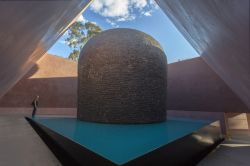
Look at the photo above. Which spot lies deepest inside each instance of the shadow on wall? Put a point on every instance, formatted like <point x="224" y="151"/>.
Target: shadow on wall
<point x="32" y="71"/>
<point x="194" y="86"/>
<point x="54" y="92"/>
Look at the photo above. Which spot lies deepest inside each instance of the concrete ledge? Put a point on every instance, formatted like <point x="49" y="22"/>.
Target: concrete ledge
<point x="21" y="146"/>
<point x="26" y="111"/>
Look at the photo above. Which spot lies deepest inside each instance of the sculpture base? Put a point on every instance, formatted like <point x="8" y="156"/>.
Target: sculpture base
<point x="174" y="142"/>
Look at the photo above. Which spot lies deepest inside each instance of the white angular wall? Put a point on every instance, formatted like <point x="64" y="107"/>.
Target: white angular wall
<point x="219" y="31"/>
<point x="27" y="30"/>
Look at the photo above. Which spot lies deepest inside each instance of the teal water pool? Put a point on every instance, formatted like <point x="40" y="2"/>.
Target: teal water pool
<point x="121" y="143"/>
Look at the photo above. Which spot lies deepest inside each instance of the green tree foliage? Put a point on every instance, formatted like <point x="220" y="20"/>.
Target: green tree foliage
<point x="78" y="34"/>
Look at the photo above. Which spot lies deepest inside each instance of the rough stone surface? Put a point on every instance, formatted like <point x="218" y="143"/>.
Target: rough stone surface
<point x="122" y="78"/>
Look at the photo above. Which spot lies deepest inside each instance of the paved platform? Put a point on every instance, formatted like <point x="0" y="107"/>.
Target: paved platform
<point x="232" y="152"/>
<point x="21" y="146"/>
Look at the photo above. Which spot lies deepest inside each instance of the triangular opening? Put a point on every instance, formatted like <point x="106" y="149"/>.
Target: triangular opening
<point x="143" y="15"/>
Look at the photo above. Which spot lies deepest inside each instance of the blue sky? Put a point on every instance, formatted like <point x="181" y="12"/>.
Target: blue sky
<point x="143" y="15"/>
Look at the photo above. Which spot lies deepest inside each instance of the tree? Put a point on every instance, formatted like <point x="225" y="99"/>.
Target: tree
<point x="78" y="35"/>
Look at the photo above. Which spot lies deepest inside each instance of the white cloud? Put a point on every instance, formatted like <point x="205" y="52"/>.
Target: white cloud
<point x="123" y="10"/>
<point x="140" y="4"/>
<point x="94" y="22"/>
<point x="147" y="13"/>
<point x="121" y="19"/>
<point x="111" y="8"/>
<point x="81" y="19"/>
<point x="84" y="20"/>
<point x="97" y="5"/>
<point x="112" y="23"/>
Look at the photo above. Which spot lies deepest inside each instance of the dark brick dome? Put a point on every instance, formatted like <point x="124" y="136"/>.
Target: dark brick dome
<point x="122" y="78"/>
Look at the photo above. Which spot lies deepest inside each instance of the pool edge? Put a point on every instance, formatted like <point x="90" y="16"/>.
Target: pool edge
<point x="178" y="151"/>
<point x="67" y="151"/>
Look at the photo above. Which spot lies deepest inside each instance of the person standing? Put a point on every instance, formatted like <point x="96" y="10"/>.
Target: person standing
<point x="35" y="105"/>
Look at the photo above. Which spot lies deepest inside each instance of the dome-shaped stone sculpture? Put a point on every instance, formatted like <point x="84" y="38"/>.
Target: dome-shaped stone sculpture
<point x="122" y="78"/>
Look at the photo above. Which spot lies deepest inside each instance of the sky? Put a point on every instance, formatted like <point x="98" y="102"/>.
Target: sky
<point x="143" y="15"/>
